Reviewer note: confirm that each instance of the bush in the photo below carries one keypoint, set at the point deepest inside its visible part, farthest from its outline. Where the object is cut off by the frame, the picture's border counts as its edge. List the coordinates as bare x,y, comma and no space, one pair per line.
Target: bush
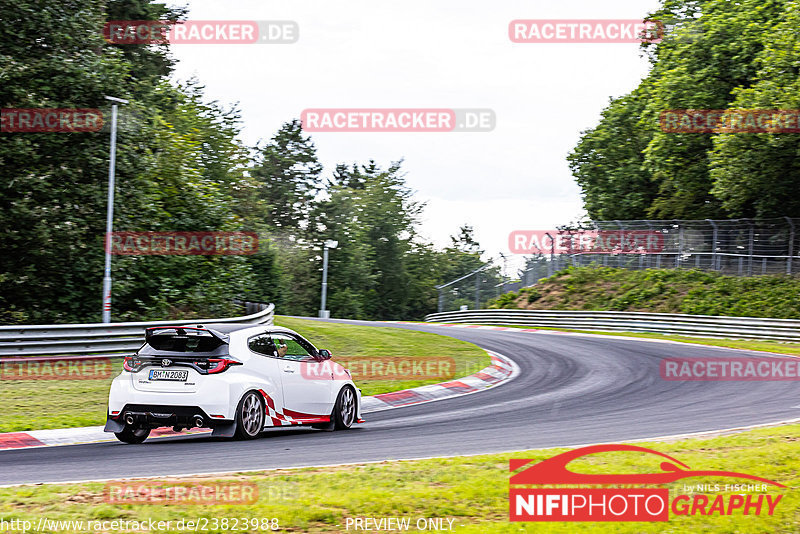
661,290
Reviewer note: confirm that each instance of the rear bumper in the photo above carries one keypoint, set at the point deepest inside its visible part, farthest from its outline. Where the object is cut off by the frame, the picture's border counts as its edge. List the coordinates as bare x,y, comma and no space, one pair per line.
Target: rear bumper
213,397
158,415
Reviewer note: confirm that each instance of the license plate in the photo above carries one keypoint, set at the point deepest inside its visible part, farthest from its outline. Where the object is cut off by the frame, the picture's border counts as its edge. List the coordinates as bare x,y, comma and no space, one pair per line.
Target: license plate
168,374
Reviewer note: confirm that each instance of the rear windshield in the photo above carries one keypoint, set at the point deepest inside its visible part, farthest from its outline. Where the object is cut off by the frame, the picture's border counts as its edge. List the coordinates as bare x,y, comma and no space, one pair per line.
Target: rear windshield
184,341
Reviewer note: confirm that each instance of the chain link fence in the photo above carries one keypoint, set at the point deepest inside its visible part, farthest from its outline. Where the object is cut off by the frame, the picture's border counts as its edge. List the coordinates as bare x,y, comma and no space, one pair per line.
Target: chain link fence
741,247
474,290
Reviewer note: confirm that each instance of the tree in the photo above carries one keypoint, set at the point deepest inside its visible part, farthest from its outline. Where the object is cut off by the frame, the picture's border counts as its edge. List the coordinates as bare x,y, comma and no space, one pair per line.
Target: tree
52,55
629,168
756,175
178,167
608,162
289,174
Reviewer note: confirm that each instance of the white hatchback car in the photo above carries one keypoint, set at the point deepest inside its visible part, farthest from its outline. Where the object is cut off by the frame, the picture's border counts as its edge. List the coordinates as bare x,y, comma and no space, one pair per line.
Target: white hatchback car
236,379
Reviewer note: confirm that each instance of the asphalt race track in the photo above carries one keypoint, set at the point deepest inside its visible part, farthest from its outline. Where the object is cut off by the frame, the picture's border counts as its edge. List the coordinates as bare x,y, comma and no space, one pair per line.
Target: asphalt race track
571,390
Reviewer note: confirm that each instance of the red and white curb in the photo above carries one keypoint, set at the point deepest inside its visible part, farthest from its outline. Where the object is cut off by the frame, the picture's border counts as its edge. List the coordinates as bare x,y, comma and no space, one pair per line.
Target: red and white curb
501,370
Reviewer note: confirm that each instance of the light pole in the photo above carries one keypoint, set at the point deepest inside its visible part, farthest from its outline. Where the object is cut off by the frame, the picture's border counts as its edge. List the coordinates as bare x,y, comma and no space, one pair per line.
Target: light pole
323,313
110,213
505,261
550,268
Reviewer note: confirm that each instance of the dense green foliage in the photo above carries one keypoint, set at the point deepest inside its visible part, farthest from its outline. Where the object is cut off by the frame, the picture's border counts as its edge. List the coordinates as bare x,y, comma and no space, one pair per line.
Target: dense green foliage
716,54
181,167
660,290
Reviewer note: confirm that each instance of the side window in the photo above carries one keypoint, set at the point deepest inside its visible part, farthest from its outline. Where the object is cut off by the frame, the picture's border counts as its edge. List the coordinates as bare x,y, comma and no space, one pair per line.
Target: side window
290,348
262,344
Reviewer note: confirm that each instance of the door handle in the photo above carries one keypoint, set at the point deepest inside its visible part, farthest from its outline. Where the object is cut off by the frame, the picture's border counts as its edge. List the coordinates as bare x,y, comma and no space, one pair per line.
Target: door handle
288,369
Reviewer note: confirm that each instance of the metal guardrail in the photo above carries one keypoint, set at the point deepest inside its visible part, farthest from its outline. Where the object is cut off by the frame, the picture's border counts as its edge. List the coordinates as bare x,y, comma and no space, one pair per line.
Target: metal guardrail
102,338
661,323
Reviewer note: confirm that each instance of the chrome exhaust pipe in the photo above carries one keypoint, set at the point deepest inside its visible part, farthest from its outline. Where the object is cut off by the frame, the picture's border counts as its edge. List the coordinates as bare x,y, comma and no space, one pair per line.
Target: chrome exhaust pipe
198,421
129,419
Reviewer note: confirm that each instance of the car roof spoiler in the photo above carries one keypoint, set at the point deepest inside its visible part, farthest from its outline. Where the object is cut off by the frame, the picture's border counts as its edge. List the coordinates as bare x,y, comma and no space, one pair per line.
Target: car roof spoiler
181,330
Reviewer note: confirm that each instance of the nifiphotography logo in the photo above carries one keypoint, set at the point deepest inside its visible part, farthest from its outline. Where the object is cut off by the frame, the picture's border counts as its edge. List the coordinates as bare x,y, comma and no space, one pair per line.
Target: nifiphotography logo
621,497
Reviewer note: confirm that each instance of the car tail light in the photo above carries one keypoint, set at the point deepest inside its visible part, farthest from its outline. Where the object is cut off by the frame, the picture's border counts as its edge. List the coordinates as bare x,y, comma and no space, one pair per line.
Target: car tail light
218,365
131,364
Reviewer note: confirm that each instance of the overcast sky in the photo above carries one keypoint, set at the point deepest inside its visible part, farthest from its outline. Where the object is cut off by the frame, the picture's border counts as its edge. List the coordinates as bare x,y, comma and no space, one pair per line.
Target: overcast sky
432,54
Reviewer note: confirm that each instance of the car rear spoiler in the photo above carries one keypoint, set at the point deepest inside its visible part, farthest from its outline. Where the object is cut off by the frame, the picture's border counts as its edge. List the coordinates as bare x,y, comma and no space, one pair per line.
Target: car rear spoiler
181,330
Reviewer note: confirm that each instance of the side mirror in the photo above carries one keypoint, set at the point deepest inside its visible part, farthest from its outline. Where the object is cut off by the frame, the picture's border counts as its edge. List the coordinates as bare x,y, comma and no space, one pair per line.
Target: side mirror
325,354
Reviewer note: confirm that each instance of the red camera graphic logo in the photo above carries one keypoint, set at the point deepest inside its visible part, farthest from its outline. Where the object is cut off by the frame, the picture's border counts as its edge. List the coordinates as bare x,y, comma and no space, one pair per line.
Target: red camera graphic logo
621,503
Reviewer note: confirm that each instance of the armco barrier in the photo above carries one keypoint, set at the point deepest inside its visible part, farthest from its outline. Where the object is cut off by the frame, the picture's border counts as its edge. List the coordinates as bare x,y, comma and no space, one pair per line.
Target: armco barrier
662,323
100,338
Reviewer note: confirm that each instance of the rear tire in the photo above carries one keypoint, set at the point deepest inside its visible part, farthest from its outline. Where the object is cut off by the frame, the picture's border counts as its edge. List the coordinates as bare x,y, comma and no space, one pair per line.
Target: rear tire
250,416
132,435
344,411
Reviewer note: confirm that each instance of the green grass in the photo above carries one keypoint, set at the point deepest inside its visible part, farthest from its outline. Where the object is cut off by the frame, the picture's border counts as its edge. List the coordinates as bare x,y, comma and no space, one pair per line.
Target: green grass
660,290
345,340
43,404
472,490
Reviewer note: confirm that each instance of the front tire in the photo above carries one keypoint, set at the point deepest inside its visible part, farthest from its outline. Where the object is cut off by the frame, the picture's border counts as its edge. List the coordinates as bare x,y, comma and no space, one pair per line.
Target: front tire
344,411
132,435
249,416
